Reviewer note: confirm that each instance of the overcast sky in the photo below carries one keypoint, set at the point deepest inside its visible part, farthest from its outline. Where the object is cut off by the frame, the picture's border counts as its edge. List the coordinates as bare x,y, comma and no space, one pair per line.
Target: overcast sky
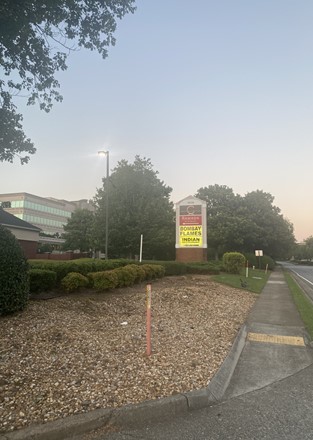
211,91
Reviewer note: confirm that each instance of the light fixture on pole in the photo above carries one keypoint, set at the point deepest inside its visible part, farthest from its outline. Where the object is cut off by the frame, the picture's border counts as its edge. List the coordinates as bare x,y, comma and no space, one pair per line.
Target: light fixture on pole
106,154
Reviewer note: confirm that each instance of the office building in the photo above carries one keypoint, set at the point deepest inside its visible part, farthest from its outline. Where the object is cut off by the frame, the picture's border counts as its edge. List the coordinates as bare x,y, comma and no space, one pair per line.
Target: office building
47,213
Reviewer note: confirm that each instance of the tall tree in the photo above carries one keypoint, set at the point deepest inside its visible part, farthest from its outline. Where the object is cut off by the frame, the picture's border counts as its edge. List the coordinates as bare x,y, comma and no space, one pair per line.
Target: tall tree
35,39
138,204
79,231
246,223
223,222
273,233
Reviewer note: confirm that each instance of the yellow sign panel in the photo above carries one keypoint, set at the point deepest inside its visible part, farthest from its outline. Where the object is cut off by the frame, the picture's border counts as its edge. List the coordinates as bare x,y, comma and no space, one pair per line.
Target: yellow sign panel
190,236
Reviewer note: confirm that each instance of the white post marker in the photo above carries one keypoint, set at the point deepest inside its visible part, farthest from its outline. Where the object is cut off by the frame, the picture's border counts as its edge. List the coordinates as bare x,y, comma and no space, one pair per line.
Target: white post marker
247,269
140,253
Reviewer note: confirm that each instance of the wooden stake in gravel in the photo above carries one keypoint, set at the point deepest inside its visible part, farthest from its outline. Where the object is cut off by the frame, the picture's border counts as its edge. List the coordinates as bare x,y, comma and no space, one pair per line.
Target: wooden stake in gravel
148,290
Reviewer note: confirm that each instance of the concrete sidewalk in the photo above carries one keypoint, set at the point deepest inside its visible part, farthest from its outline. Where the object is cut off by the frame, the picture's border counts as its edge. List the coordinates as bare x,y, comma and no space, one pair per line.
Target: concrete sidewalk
276,345
271,346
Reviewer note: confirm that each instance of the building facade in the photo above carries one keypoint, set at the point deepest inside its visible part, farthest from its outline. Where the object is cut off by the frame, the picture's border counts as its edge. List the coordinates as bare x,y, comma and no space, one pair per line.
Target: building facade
26,234
48,214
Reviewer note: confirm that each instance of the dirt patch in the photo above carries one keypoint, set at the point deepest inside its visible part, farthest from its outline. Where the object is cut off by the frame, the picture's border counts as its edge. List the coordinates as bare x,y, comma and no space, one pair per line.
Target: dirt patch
72,354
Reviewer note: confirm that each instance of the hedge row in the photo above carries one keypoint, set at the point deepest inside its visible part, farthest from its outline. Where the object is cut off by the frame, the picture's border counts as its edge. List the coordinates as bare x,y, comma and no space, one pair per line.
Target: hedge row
83,266
46,275
88,265
177,268
42,279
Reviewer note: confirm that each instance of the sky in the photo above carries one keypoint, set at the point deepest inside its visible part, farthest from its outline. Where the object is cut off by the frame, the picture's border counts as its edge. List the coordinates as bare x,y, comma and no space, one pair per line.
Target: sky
212,91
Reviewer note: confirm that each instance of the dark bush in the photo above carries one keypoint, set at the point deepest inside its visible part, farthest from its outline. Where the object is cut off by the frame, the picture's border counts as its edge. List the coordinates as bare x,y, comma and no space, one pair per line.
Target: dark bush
42,280
14,278
205,268
74,281
260,262
171,267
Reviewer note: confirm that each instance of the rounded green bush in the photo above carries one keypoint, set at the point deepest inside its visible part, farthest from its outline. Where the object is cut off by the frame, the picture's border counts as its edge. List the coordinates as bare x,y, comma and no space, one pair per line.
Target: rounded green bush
103,280
74,281
126,276
14,279
233,262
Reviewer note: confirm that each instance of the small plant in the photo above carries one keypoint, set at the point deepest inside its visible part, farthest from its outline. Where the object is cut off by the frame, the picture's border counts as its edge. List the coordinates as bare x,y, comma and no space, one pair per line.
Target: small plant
42,280
74,281
126,275
103,280
14,279
233,262
139,271
153,271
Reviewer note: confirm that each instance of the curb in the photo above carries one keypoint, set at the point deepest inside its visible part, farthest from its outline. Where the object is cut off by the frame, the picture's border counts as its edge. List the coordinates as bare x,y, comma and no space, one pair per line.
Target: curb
139,415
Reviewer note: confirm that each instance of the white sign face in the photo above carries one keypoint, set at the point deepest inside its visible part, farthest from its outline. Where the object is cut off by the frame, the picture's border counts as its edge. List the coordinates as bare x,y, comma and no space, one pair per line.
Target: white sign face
191,223
259,253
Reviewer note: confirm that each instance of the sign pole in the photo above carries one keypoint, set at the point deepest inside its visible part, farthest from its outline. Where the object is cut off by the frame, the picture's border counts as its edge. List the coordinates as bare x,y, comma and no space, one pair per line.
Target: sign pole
148,290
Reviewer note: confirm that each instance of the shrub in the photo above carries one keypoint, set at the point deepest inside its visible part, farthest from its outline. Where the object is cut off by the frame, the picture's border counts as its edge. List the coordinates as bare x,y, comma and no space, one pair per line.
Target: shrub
74,281
42,280
159,271
14,278
153,271
260,262
205,268
233,262
83,266
172,267
140,273
126,275
103,280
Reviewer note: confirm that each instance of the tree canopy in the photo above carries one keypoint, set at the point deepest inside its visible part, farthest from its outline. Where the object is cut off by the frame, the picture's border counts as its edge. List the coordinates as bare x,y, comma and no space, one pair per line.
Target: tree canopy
138,204
244,224
79,231
35,40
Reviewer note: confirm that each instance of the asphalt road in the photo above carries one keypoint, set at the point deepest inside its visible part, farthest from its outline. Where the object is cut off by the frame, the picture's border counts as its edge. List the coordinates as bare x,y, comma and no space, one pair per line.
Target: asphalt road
303,274
283,410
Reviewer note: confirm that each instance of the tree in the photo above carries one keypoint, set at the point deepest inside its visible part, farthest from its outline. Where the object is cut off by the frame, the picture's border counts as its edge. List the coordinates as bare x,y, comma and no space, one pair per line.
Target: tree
308,248
246,223
35,40
223,222
273,233
79,231
138,204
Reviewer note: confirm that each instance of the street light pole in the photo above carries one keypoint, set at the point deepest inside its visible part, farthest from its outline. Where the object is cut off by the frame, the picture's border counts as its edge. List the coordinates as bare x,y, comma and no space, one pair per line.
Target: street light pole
106,154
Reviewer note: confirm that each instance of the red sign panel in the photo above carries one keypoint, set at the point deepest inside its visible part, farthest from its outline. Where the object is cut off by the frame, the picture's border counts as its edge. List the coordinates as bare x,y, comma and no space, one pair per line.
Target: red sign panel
190,220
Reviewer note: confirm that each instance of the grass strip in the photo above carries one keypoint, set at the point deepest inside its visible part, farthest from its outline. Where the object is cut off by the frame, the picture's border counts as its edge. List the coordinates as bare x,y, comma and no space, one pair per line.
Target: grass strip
303,304
255,281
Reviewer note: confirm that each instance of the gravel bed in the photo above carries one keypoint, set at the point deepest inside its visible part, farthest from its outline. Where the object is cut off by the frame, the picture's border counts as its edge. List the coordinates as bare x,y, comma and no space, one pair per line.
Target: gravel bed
73,354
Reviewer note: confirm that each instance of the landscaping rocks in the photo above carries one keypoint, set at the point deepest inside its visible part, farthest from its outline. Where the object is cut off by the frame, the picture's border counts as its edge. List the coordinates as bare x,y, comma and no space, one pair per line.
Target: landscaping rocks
76,353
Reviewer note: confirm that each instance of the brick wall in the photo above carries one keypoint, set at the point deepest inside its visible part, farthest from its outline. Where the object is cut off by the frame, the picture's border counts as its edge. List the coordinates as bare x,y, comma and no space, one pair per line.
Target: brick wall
29,248
65,256
186,255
